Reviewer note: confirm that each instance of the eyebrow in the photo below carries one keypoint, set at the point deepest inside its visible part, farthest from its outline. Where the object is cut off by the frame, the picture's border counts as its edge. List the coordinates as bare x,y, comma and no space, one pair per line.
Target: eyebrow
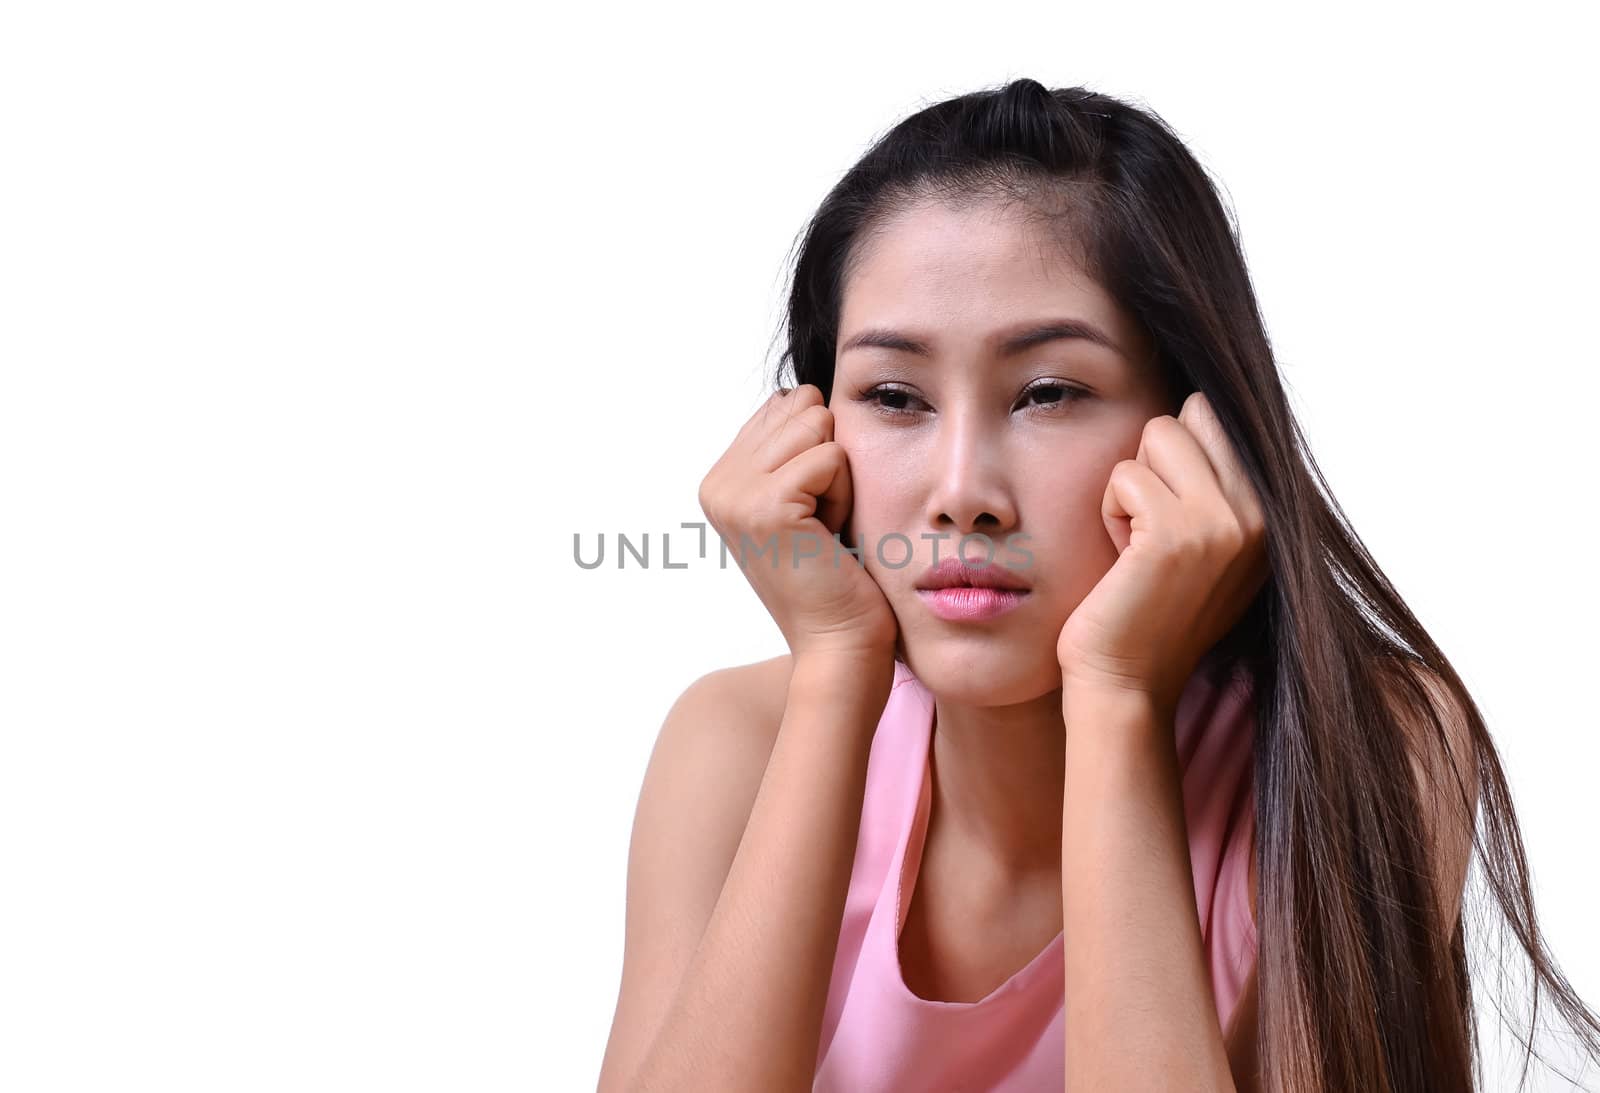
1019,341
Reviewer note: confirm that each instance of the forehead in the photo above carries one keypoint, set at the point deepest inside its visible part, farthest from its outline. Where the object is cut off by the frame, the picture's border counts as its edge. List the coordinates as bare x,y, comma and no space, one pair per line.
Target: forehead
959,272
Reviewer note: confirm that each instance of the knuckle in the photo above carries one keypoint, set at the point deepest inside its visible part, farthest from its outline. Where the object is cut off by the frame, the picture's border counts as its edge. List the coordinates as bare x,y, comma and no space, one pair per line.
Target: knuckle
1256,524
820,418
1180,547
707,498
1229,538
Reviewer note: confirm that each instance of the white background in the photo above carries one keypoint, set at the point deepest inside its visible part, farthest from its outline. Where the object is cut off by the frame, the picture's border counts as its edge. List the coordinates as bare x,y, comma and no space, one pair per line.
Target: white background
326,326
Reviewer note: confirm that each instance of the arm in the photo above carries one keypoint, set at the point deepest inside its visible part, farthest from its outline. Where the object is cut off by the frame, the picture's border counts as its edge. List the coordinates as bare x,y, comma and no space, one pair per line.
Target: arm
1139,1007
747,1013
698,789
1190,533
1129,842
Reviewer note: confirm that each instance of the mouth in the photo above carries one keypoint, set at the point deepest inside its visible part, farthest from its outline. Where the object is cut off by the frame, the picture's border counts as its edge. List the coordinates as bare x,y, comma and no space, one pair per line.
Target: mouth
967,603
955,573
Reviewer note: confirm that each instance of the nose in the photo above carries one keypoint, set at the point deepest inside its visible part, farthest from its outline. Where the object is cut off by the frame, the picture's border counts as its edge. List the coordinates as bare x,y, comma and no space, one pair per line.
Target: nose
971,492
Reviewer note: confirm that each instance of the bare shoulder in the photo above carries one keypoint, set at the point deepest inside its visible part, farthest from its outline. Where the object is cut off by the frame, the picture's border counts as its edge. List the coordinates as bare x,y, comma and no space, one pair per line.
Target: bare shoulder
706,768
718,736
699,788
756,692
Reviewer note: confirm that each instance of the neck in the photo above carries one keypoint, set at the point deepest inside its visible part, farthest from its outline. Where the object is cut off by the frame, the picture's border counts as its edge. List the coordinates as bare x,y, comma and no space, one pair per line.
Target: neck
998,779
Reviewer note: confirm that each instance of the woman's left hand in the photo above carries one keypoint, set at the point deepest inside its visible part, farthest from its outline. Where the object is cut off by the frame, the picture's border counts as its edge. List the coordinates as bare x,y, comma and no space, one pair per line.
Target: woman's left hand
1191,543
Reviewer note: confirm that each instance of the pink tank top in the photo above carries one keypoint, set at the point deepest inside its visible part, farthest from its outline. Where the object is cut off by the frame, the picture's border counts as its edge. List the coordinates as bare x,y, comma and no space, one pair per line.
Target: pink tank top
879,1036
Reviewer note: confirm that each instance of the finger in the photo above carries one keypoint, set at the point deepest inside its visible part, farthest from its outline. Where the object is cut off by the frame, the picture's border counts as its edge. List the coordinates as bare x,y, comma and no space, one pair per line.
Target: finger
798,398
835,501
1177,457
1135,496
786,401
806,429
1200,417
820,474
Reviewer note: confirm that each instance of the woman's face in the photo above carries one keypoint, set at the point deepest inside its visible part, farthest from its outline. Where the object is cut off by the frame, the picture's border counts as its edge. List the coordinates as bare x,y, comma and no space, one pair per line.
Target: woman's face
969,437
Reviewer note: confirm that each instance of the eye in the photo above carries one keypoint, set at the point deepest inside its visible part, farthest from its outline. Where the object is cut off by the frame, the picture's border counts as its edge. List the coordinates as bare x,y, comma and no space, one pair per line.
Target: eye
874,396
1066,394
1058,396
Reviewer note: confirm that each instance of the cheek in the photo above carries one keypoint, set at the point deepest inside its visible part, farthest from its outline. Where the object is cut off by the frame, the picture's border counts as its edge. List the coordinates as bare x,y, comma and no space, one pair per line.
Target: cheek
882,478
1071,548
880,515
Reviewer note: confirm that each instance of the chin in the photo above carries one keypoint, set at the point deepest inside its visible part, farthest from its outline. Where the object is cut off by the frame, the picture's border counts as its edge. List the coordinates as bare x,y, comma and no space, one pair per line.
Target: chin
981,669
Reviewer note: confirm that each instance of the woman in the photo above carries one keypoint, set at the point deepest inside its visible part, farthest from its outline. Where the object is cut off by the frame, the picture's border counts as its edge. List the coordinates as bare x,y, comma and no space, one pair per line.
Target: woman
958,836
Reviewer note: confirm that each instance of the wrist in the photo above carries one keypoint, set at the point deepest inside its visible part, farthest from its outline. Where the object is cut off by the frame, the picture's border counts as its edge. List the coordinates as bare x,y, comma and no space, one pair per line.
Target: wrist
864,672
1105,706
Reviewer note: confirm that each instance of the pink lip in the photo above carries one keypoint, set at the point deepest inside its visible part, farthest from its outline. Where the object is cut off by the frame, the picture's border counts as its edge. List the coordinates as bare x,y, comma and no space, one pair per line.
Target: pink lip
970,604
954,572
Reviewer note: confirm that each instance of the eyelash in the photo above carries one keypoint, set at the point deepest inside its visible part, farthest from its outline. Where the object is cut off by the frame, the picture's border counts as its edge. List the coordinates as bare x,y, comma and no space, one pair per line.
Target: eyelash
1069,395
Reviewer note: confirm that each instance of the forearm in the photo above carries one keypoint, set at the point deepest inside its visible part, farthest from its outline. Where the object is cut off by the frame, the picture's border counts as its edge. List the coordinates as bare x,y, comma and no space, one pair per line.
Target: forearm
748,1014
1139,1011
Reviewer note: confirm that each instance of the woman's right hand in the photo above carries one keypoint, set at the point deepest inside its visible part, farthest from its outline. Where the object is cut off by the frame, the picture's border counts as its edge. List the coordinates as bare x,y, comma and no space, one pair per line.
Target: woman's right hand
780,493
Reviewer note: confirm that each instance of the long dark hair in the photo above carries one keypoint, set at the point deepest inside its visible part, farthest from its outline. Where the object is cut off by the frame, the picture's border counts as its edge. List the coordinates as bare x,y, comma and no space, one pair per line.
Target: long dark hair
1363,983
